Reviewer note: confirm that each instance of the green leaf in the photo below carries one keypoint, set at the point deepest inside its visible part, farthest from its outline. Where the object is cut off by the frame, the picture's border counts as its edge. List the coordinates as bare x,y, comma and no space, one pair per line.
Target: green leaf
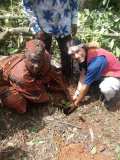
6,21
94,150
117,52
33,130
104,2
38,141
87,12
116,19
65,103
21,39
13,50
111,44
117,150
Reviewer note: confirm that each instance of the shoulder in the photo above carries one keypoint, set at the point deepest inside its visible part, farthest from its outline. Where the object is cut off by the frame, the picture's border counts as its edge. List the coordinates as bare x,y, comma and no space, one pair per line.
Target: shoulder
97,62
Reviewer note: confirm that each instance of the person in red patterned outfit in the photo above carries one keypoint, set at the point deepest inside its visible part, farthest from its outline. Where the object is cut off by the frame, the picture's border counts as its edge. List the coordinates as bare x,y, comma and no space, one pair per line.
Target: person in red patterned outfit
25,77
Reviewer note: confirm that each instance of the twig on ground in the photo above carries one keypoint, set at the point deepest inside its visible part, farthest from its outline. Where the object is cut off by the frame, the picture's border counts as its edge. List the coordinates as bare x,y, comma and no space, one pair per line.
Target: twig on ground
91,134
66,123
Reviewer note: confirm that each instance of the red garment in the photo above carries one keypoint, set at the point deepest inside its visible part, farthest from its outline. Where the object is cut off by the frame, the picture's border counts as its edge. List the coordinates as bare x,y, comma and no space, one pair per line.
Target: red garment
23,86
113,67
12,99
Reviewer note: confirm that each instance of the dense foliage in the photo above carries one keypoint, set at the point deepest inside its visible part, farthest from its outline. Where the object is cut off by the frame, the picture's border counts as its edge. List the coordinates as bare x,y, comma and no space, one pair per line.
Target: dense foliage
12,43
101,24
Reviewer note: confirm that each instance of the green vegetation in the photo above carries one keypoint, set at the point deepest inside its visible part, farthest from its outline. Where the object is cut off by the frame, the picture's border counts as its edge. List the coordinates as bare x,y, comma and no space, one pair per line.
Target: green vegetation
101,24
12,16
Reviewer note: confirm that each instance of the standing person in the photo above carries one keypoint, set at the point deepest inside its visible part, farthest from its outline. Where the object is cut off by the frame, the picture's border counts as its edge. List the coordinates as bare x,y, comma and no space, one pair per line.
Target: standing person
27,77
101,65
54,18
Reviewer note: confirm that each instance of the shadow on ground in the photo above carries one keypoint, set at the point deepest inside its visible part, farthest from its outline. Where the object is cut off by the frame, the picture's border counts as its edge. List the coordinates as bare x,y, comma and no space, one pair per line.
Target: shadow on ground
12,122
12,153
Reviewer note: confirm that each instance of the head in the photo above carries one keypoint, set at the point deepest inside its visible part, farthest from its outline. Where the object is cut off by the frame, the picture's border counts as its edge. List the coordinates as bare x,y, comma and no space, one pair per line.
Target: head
77,51
34,54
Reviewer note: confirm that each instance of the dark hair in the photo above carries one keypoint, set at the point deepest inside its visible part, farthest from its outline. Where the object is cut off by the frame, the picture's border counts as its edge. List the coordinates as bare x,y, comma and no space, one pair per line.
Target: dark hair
73,42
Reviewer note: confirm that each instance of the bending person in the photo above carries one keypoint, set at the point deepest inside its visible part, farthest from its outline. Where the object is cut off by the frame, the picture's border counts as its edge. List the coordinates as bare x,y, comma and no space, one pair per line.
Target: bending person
101,65
26,77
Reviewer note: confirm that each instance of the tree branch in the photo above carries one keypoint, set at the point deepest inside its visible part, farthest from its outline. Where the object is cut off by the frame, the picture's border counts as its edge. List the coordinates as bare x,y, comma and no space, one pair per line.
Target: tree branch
20,30
26,31
2,17
117,35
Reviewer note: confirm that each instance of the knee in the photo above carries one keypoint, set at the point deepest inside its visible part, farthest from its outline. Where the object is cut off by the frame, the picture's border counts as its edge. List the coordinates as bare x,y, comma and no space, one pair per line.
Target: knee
107,91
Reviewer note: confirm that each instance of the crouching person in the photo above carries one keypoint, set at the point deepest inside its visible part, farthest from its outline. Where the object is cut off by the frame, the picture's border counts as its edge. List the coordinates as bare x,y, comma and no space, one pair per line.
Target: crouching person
25,77
101,65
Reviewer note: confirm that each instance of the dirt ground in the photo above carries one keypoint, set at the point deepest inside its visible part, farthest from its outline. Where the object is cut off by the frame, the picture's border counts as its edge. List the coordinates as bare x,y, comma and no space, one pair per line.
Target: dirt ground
44,133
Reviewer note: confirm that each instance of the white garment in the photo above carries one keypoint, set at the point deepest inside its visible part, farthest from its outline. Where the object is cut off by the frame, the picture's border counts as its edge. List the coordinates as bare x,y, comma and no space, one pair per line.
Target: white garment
109,87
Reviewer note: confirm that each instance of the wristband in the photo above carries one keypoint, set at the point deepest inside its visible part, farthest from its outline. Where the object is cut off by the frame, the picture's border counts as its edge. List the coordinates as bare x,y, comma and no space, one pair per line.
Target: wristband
77,92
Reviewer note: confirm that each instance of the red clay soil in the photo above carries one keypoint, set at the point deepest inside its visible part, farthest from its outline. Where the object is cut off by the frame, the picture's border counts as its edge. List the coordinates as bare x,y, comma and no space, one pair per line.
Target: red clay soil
78,152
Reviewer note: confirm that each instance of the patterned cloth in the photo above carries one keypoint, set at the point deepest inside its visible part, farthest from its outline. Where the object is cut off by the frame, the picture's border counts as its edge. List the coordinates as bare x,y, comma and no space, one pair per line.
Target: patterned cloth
18,85
51,16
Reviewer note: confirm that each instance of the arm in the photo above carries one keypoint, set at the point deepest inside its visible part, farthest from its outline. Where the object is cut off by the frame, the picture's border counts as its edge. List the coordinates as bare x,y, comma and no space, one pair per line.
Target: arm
79,98
94,72
80,82
83,91
28,8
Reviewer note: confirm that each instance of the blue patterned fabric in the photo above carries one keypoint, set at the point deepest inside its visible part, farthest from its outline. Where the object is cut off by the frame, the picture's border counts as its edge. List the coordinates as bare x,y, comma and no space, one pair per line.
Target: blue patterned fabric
51,16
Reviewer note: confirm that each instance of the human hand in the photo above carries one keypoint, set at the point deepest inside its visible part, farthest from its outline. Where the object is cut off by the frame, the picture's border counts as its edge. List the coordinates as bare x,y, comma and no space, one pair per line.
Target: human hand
76,94
40,36
76,98
74,29
76,101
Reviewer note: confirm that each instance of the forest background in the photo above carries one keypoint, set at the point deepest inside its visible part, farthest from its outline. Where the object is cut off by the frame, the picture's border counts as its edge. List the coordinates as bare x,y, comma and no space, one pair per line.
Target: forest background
98,21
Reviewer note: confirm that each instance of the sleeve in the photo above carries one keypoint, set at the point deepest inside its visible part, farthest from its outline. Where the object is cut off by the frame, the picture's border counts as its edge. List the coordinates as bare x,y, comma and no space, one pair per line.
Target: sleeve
28,9
74,10
94,70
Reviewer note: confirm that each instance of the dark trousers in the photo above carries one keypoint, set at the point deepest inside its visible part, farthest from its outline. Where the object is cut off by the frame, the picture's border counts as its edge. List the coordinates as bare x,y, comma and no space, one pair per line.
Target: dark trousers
66,60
